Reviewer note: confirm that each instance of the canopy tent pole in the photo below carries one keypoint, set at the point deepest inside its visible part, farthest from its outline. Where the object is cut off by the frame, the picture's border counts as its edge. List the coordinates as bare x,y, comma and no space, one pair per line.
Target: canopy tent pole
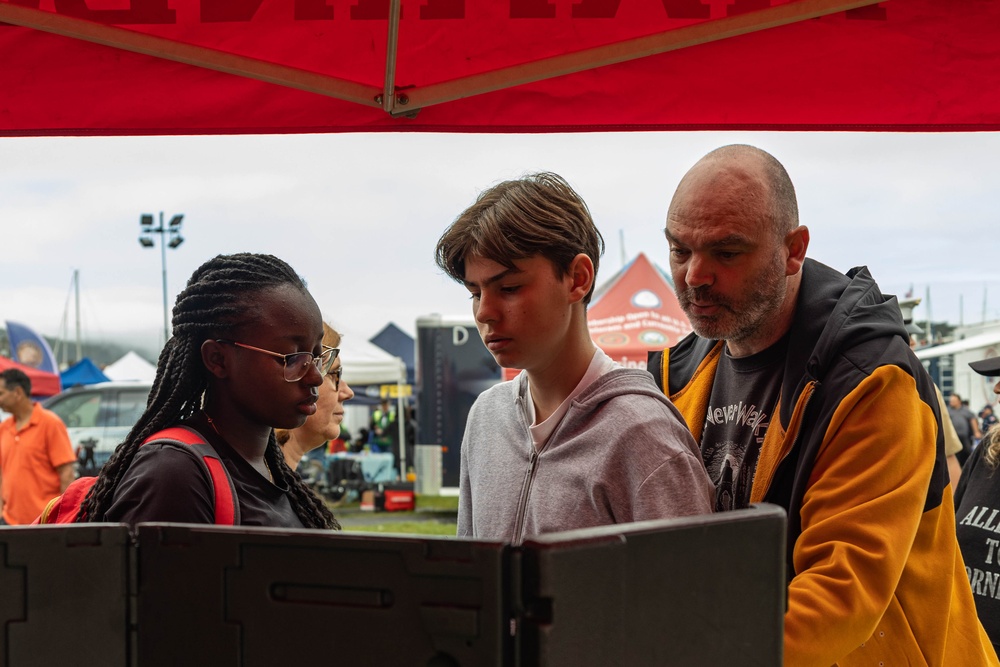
401,421
388,97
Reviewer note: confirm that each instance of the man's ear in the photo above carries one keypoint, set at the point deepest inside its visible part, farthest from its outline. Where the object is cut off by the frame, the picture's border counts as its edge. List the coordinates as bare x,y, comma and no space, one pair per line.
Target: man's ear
214,358
581,274
796,242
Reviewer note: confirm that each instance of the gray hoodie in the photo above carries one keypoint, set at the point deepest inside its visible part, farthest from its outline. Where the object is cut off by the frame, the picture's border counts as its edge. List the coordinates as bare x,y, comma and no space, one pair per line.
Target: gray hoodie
621,453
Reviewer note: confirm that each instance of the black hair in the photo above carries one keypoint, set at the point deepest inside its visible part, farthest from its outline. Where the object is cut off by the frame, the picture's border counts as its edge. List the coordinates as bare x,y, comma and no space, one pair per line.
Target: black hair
212,304
15,377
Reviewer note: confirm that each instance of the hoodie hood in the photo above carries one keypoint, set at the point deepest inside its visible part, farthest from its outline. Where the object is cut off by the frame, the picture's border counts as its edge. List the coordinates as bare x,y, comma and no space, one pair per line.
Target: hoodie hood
614,383
835,313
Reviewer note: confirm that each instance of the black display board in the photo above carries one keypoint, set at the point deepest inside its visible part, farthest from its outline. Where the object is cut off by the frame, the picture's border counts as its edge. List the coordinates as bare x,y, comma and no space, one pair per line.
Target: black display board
265,597
64,595
705,590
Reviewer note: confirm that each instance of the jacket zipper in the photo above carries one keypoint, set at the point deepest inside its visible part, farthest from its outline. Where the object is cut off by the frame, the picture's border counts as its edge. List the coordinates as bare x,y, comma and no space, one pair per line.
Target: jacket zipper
522,506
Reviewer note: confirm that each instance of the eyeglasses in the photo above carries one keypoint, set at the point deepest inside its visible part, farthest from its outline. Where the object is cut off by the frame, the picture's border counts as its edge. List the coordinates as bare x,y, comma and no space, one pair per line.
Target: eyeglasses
297,363
336,375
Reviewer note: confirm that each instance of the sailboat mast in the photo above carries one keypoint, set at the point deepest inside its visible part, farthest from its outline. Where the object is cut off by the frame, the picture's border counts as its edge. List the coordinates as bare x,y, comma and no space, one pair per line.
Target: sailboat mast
76,283
985,288
930,331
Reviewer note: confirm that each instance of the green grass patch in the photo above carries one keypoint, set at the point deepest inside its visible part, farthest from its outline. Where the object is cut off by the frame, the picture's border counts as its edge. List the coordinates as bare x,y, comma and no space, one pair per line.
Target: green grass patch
441,503
407,528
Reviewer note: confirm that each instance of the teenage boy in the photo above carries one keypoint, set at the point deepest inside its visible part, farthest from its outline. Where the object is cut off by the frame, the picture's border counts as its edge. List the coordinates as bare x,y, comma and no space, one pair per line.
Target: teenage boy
575,440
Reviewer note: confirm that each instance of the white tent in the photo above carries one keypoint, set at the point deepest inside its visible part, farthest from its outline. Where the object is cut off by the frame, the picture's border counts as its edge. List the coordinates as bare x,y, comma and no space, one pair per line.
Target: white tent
131,367
367,364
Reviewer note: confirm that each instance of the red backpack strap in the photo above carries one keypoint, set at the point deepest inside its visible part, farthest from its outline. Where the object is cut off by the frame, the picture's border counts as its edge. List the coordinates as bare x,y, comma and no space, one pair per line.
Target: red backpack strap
65,507
227,509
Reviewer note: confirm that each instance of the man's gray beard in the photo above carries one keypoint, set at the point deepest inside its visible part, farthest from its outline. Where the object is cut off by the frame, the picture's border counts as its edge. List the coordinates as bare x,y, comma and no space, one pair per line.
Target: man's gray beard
747,318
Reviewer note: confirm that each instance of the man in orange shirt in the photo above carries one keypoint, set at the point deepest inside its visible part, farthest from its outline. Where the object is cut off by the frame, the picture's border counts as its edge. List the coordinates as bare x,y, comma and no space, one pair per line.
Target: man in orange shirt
36,457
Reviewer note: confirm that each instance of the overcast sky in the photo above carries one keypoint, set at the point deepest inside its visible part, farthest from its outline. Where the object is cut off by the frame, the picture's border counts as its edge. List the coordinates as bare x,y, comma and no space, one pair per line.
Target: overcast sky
358,214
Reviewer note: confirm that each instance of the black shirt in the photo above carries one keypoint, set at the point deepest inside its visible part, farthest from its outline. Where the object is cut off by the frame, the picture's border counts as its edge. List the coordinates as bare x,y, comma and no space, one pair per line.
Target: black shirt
977,519
167,482
744,394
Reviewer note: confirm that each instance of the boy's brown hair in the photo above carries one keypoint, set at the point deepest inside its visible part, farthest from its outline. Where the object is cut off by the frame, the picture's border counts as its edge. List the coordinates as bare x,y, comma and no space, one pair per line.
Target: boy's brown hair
539,214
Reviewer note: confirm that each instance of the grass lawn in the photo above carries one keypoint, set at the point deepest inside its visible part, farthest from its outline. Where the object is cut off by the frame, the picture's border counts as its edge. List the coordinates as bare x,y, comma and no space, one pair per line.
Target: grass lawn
407,527
438,503
435,515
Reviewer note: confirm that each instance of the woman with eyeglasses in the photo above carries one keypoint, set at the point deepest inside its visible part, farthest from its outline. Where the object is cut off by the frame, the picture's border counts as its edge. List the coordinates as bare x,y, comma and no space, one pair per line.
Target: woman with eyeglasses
246,356
324,424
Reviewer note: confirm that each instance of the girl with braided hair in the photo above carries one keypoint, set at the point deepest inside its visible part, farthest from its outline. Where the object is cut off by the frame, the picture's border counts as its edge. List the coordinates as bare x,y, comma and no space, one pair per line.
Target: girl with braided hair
246,356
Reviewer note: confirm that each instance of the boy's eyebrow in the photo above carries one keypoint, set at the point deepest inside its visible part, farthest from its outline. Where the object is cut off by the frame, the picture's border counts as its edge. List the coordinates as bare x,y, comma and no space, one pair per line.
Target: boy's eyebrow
492,279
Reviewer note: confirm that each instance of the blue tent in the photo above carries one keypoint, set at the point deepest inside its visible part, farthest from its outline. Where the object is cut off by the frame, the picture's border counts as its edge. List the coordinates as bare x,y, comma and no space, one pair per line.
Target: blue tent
400,344
82,372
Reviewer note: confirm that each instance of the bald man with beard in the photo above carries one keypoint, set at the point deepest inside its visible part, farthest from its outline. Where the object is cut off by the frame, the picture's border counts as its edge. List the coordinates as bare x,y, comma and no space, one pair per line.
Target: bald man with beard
801,389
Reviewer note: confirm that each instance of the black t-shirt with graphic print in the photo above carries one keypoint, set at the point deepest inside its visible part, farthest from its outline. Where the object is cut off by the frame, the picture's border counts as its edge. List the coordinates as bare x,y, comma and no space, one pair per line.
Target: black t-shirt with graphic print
744,394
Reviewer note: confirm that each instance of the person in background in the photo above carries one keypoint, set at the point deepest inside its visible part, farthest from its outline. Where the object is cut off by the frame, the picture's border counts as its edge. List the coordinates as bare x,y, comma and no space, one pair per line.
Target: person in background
966,425
382,427
988,419
977,513
978,433
246,356
575,440
359,443
845,435
323,425
952,444
36,457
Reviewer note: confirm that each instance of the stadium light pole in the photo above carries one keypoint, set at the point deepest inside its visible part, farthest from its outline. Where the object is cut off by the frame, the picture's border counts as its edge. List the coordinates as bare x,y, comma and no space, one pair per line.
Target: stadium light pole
173,231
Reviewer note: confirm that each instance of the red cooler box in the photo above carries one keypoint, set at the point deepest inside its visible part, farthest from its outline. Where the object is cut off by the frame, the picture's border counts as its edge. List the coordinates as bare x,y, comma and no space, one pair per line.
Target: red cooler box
395,497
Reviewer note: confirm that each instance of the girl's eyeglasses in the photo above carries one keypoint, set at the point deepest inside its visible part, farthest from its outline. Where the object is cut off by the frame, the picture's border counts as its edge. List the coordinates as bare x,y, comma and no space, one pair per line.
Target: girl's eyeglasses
296,364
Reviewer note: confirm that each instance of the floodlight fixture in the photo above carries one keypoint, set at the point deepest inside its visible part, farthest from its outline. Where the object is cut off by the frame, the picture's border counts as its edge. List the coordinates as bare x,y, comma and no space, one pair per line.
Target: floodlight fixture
147,229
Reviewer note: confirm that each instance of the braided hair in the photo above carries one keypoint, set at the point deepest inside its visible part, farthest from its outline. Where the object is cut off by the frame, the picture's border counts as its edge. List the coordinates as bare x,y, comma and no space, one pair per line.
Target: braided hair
214,301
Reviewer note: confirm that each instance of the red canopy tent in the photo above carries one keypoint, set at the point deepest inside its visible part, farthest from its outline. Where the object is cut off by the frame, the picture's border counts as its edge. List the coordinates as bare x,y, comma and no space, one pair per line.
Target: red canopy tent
100,67
42,384
636,312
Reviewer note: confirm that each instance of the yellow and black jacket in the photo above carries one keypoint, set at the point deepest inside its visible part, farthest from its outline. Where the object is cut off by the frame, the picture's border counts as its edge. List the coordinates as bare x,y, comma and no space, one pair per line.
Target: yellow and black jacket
856,458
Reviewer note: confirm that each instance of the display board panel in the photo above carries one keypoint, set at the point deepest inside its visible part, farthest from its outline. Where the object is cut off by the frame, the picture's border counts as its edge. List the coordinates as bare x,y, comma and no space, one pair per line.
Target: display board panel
64,595
704,590
257,596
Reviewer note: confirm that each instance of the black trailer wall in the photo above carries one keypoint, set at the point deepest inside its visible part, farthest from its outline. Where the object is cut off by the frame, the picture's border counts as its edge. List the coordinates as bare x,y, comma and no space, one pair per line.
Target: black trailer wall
453,368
